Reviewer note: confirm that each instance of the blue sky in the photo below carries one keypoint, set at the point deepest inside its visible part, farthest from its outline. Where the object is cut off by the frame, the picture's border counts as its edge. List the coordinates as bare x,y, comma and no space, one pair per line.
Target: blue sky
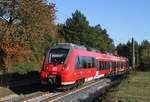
123,19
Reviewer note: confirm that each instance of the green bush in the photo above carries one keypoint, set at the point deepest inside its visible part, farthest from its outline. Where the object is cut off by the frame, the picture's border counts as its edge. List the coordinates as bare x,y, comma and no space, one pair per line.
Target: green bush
145,63
28,65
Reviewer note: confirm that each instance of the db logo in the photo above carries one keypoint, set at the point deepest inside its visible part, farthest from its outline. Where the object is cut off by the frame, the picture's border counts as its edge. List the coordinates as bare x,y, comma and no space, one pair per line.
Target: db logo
54,68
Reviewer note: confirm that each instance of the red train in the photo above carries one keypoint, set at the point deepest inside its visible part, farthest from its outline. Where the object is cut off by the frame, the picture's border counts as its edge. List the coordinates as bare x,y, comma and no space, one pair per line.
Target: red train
67,63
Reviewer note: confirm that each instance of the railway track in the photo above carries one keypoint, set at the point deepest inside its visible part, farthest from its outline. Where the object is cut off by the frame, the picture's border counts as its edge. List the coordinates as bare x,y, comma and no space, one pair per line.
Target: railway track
54,96
82,92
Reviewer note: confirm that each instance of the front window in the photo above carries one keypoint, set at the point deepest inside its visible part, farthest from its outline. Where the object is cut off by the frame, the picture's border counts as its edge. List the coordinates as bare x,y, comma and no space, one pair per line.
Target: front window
57,56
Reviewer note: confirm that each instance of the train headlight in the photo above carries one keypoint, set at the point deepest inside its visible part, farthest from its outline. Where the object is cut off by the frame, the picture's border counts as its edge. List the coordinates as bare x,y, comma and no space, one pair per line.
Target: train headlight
46,66
64,66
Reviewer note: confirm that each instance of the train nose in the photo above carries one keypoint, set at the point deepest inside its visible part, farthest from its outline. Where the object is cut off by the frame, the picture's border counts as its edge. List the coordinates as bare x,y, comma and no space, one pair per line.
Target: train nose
52,68
54,79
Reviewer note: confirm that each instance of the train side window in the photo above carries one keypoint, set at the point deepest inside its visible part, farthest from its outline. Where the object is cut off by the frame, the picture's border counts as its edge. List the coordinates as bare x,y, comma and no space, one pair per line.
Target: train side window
77,63
113,65
104,64
126,64
97,64
88,61
109,65
83,62
93,62
121,64
117,64
100,65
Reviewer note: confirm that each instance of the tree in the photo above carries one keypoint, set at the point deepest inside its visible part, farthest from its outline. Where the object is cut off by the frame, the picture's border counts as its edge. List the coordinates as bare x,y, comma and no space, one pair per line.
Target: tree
125,50
145,55
27,27
77,30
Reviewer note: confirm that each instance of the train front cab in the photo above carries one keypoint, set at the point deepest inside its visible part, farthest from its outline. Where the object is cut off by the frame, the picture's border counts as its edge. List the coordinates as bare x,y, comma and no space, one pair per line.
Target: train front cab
55,66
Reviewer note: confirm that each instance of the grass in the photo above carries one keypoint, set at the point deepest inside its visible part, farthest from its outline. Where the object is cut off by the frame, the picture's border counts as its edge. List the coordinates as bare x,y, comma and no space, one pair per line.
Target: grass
136,88
5,92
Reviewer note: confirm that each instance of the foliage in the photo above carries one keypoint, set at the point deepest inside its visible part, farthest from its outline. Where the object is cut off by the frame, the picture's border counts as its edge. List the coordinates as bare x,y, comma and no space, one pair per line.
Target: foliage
27,27
77,30
25,67
128,89
142,53
145,55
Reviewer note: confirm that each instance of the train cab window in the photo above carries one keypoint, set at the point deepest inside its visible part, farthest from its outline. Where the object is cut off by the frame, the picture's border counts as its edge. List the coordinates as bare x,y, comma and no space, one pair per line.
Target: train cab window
57,56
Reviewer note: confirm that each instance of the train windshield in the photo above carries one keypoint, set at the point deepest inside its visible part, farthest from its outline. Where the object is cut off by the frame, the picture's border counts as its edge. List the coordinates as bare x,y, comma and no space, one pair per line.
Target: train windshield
57,56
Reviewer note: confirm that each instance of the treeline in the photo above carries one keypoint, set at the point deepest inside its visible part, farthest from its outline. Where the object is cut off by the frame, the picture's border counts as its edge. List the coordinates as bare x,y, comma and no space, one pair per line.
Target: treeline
77,30
142,53
28,29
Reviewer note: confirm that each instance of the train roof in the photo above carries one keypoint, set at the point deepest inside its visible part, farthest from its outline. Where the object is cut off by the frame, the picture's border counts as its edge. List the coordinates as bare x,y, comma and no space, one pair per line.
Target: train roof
74,46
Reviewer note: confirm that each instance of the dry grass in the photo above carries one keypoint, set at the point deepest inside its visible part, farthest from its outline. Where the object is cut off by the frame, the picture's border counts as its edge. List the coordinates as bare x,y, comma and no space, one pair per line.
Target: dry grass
5,92
136,88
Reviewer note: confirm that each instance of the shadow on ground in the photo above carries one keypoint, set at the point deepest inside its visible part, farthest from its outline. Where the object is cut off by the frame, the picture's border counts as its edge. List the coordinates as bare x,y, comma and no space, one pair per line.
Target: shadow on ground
29,83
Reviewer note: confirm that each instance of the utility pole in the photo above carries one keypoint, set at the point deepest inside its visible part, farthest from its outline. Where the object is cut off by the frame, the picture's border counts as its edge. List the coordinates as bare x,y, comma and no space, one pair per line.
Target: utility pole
133,54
